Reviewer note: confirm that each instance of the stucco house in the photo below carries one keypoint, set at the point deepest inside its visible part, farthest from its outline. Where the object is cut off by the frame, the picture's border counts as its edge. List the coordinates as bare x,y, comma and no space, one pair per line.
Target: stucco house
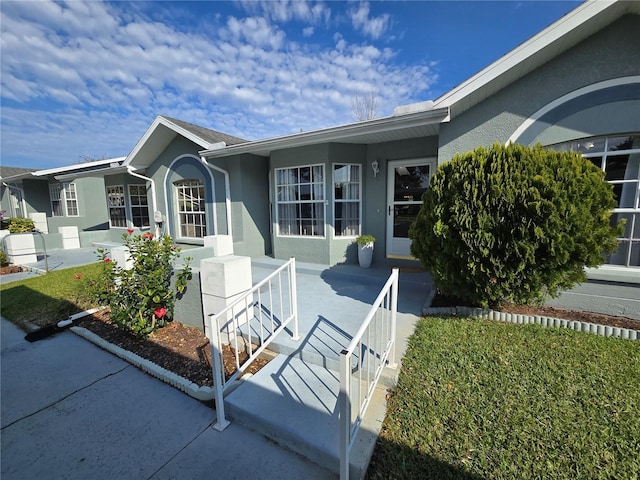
575,85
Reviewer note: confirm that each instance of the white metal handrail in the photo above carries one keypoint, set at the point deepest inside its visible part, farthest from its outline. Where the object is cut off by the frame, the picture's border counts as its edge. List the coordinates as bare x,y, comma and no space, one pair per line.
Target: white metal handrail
373,349
260,319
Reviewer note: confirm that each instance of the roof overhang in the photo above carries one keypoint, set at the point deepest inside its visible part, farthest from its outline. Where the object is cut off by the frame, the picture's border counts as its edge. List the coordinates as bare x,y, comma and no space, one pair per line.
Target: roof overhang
100,172
156,139
397,127
577,25
86,169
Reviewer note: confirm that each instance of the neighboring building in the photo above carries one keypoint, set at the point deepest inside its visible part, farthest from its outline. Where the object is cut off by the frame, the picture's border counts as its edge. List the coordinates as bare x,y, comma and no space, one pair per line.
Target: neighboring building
574,85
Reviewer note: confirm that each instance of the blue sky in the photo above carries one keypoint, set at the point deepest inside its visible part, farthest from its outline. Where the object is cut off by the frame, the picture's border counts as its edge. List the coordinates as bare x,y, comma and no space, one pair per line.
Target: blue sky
85,79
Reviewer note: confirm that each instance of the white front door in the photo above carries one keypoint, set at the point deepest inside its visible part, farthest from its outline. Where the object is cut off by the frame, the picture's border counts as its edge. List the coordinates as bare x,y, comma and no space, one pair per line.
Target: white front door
407,180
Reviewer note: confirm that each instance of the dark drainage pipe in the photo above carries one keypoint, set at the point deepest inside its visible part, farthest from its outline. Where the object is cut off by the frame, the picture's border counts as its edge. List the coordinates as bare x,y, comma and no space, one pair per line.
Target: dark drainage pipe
54,328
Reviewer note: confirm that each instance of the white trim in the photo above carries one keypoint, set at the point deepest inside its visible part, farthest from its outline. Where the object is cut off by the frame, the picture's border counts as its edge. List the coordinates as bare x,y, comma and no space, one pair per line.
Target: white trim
585,14
391,165
79,166
109,207
333,199
131,205
324,201
567,97
333,134
167,194
160,120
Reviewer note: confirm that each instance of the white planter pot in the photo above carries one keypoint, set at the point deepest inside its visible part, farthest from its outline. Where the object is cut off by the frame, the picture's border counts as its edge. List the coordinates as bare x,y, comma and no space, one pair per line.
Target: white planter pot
365,255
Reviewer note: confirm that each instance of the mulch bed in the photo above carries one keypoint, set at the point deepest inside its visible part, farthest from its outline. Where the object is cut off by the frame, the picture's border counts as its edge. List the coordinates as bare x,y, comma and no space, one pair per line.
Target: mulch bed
622,322
7,269
178,348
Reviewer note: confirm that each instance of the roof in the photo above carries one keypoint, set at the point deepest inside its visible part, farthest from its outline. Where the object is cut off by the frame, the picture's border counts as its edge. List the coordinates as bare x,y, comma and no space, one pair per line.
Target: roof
210,136
576,26
164,130
7,172
69,171
415,124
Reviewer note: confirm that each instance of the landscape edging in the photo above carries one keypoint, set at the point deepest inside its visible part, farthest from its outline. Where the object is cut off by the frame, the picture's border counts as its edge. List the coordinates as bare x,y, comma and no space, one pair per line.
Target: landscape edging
597,329
181,383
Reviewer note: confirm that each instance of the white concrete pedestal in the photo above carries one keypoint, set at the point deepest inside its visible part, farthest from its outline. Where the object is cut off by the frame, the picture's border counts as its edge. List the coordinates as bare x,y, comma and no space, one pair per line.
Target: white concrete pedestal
70,237
222,281
21,249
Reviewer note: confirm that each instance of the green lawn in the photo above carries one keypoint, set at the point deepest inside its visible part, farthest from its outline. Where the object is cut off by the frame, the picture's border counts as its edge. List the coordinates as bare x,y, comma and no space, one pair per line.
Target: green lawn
479,399
48,298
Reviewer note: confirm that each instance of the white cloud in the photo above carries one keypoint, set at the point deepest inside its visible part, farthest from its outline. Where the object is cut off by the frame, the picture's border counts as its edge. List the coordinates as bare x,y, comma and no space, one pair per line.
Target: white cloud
307,32
374,27
105,77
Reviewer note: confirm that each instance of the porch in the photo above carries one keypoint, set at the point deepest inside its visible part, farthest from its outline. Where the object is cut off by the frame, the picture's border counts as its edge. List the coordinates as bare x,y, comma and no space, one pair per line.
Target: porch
294,399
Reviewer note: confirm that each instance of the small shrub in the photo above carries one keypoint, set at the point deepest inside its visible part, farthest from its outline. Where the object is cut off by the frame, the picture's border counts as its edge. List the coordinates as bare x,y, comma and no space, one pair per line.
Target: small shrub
365,239
513,223
18,225
3,258
141,299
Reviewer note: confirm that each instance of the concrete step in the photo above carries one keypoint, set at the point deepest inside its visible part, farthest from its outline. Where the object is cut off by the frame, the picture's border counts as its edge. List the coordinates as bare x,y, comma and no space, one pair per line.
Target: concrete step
295,404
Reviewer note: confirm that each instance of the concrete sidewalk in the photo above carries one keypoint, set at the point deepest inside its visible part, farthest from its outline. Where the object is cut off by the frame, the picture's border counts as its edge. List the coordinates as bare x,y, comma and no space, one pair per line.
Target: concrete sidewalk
71,410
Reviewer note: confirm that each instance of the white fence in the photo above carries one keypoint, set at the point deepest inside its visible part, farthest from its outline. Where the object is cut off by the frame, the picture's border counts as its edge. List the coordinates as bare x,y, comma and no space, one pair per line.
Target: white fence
361,364
250,324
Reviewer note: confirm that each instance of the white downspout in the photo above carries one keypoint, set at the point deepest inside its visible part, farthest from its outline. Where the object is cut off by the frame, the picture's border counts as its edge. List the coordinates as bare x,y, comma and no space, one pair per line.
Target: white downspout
154,206
227,188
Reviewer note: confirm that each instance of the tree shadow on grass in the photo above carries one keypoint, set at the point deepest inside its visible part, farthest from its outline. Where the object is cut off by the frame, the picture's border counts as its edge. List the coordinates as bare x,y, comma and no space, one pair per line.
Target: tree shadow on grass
26,307
393,460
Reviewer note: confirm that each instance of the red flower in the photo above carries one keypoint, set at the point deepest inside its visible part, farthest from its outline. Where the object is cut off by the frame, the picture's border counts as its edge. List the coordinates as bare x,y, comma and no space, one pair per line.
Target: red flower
107,260
160,312
148,235
129,231
78,276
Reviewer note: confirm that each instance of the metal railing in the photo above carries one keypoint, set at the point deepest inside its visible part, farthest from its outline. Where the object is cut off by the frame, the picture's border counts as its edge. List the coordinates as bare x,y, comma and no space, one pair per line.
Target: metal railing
250,324
361,364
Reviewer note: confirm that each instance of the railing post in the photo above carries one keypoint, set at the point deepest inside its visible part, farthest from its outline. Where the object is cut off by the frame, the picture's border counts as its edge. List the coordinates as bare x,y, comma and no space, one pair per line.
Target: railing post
344,407
294,298
218,373
394,311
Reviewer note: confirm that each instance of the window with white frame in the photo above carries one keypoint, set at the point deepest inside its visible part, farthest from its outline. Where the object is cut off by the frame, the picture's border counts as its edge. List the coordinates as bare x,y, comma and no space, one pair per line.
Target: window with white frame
346,200
619,157
192,217
300,200
139,205
64,200
116,205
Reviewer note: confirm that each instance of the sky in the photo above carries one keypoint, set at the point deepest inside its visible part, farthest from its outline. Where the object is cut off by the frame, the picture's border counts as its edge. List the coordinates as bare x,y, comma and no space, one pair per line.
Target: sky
84,80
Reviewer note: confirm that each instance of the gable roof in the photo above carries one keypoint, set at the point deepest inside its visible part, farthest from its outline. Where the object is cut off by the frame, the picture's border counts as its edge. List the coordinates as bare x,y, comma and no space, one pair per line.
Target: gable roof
576,26
7,172
164,130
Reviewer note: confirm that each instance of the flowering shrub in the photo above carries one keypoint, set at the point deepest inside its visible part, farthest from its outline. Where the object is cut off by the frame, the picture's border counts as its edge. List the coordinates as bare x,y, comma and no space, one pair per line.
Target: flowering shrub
141,298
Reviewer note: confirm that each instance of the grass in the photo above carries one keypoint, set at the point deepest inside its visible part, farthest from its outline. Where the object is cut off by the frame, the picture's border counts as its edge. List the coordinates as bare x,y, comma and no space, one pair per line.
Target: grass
478,399
48,298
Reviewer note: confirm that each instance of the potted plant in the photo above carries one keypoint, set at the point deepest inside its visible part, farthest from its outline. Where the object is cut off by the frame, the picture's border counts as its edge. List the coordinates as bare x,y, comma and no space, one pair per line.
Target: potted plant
365,250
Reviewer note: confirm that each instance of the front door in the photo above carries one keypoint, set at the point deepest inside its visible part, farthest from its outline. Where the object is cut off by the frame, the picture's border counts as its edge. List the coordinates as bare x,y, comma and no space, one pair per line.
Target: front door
407,181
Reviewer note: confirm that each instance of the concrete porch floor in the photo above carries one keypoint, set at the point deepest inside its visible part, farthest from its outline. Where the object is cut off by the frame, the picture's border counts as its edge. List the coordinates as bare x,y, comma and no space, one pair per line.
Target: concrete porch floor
293,400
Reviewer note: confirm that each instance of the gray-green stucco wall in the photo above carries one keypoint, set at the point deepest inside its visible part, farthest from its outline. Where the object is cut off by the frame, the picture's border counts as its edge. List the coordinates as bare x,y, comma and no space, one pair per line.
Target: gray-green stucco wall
331,250
92,207
375,211
249,193
613,52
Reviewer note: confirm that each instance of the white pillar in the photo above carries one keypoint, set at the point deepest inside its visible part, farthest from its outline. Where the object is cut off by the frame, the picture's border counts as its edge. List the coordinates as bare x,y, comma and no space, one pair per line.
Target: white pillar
223,280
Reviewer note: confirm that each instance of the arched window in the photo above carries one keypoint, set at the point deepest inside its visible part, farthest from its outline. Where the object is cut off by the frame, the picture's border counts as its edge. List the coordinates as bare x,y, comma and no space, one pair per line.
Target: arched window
191,208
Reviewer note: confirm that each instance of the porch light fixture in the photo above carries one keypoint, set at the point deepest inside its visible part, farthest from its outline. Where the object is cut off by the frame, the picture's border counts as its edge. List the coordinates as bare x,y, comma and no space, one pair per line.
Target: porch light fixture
375,166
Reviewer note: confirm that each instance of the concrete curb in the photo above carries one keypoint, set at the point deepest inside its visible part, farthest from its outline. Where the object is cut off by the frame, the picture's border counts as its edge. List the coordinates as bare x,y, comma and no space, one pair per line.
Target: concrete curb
597,329
182,384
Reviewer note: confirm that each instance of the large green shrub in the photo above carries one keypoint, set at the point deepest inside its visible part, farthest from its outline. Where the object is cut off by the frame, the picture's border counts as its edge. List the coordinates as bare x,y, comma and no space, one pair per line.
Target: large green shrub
141,298
513,223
